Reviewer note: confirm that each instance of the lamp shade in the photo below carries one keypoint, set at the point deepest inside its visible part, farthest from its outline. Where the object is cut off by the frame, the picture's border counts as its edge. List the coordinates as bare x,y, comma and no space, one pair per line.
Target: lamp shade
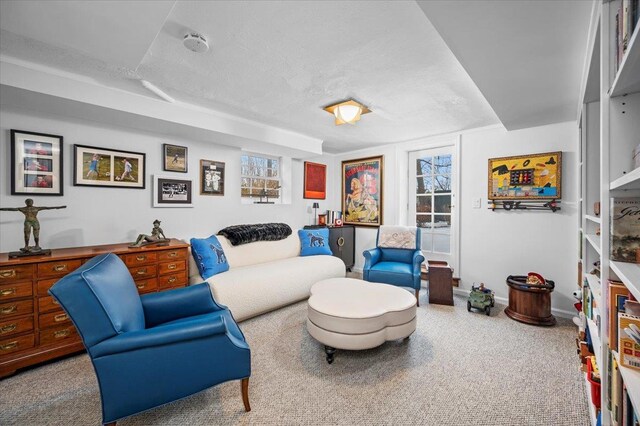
348,113
316,206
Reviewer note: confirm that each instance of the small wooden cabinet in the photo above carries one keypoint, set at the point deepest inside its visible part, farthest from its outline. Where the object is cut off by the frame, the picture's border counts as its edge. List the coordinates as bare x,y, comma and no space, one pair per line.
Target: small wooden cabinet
34,328
342,241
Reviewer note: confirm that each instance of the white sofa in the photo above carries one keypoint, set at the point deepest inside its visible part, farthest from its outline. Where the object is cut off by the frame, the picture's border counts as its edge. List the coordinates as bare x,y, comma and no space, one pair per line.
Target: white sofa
266,275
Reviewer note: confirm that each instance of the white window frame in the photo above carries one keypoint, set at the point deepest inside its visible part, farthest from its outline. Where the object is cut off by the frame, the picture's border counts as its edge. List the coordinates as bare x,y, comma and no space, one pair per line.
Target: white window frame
256,197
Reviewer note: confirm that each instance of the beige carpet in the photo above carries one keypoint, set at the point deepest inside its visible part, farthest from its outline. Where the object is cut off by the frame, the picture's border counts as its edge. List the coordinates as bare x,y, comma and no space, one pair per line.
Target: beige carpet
459,368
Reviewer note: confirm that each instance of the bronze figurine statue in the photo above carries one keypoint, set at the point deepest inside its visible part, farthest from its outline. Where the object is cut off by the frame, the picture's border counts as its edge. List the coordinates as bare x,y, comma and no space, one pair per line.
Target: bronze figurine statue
157,236
31,224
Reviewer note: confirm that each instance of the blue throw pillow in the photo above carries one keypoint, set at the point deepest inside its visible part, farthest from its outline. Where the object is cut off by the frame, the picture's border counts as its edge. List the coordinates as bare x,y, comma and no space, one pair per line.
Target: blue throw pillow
314,241
209,256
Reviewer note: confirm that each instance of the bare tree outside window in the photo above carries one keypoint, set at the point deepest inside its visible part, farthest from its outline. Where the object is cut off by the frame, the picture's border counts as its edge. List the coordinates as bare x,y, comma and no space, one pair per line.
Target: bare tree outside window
259,176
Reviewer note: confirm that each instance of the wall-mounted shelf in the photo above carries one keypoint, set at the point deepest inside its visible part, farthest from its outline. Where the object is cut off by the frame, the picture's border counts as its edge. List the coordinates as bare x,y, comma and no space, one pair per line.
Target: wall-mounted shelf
594,240
629,274
594,285
627,79
630,180
595,341
594,219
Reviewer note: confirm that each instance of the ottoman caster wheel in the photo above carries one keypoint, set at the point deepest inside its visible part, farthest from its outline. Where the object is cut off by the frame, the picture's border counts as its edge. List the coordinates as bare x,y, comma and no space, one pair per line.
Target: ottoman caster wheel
330,352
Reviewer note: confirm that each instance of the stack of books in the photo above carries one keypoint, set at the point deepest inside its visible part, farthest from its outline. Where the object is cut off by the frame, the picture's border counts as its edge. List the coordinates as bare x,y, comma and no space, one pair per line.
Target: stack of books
626,21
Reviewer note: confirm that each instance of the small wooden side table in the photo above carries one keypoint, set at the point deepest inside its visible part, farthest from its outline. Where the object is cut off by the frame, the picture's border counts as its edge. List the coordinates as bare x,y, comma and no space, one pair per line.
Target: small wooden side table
440,288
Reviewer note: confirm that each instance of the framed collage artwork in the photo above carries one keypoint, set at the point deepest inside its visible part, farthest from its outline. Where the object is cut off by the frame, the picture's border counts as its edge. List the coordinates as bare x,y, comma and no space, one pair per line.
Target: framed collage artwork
36,163
526,177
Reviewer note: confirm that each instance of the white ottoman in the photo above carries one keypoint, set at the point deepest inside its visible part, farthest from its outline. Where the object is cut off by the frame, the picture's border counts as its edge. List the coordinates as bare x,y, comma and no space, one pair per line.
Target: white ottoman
346,313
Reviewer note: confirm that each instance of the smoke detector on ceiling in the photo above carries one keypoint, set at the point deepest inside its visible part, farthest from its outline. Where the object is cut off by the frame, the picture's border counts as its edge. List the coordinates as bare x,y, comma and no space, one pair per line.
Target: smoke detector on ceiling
195,42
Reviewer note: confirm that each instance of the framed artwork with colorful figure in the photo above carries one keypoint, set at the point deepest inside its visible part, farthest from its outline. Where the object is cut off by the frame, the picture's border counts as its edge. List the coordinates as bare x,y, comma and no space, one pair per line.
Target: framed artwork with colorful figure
362,191
36,163
526,177
315,181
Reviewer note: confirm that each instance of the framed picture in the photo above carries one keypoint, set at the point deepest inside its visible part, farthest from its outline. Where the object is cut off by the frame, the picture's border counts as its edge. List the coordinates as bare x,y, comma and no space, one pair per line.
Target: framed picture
211,177
526,177
175,158
94,166
362,200
36,163
170,192
315,181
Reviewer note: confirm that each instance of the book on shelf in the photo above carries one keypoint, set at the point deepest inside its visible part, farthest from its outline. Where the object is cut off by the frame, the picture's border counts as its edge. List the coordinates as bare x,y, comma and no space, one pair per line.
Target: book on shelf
332,216
626,22
625,229
618,294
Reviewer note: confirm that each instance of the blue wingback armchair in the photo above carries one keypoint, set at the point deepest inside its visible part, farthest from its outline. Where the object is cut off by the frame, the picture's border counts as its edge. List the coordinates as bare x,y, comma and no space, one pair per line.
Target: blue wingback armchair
150,350
397,266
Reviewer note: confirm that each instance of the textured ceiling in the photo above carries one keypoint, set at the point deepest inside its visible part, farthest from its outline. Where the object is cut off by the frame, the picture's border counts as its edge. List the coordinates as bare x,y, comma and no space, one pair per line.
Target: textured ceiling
279,63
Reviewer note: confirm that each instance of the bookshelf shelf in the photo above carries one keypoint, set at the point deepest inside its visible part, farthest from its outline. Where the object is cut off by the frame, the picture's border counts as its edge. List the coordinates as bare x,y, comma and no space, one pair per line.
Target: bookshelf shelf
631,380
594,241
627,79
629,181
629,274
594,285
595,340
594,219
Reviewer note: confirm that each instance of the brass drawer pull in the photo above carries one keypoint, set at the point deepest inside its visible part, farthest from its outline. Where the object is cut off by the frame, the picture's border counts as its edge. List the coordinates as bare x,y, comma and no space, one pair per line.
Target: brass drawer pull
8,291
55,302
8,328
172,266
9,309
142,271
173,254
61,333
171,280
10,345
141,286
61,317
8,273
141,258
340,241
60,268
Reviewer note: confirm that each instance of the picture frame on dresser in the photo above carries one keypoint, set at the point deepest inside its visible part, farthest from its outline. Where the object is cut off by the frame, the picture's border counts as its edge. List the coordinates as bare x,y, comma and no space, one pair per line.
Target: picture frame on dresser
105,167
36,163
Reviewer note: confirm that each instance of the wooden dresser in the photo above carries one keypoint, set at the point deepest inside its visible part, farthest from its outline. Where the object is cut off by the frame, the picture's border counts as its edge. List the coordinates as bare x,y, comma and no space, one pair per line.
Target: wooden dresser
34,328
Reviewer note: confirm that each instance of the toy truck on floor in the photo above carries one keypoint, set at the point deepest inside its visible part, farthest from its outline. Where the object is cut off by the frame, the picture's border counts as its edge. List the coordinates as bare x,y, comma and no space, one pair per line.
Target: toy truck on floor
481,298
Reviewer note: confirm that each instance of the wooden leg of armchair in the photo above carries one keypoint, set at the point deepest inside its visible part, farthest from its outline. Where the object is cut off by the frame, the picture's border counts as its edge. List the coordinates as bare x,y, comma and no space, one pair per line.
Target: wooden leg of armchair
110,424
244,384
418,297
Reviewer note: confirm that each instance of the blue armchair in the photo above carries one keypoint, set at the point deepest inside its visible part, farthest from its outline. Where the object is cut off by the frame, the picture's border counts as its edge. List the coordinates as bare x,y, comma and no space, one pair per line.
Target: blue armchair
396,266
151,350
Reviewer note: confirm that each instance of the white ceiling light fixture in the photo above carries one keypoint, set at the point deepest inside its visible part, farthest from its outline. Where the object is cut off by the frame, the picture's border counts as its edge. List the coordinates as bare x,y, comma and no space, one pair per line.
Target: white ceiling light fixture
347,112
195,42
155,89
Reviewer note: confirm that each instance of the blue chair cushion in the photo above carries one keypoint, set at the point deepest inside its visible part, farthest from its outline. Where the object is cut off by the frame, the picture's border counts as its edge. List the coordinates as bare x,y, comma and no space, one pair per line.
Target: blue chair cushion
209,256
400,274
314,241
393,267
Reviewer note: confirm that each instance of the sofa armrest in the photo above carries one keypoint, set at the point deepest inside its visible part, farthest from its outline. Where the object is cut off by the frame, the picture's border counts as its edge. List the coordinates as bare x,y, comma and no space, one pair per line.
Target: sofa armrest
171,305
162,335
418,258
371,257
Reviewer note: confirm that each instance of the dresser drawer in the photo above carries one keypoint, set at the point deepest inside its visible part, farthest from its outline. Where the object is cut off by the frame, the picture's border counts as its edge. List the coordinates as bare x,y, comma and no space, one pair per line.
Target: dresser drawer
16,344
170,267
15,326
172,280
10,274
139,259
15,291
44,286
47,304
53,318
18,307
57,269
146,286
172,254
148,271
58,334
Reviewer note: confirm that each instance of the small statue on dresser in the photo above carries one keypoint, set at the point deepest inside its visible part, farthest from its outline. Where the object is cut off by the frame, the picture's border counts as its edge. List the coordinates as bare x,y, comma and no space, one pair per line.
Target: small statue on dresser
31,224
157,237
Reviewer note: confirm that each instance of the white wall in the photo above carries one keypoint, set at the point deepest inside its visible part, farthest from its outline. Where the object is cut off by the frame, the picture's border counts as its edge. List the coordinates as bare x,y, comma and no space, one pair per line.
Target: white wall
496,244
109,215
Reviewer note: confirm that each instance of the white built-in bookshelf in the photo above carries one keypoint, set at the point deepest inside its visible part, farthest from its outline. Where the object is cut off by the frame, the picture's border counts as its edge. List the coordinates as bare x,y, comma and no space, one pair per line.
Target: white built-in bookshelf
609,130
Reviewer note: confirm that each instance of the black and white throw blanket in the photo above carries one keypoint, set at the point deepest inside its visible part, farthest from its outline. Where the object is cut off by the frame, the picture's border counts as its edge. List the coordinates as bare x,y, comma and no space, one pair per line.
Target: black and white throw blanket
243,234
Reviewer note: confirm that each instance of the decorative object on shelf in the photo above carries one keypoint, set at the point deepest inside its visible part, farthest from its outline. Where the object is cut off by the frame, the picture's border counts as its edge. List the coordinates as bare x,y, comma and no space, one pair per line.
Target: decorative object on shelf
338,223
211,177
347,112
625,229
171,192
93,166
174,158
36,163
315,181
596,208
157,237
526,177
530,299
31,224
332,216
315,208
362,183
524,205
322,219
629,340
481,298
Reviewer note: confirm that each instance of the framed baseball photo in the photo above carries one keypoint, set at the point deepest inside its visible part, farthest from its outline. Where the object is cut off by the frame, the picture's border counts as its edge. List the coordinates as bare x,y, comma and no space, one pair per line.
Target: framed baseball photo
36,163
211,177
175,158
170,192
94,166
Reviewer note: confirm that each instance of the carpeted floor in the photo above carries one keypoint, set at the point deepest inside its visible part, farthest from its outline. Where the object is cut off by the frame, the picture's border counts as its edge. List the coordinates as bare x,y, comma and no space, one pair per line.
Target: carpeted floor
459,368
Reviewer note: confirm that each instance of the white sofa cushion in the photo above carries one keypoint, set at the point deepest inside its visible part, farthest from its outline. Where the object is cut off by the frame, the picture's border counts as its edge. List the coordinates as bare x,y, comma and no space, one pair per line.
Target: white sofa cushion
255,289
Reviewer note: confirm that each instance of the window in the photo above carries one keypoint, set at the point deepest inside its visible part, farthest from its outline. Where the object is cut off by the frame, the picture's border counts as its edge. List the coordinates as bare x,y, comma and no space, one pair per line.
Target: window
260,176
